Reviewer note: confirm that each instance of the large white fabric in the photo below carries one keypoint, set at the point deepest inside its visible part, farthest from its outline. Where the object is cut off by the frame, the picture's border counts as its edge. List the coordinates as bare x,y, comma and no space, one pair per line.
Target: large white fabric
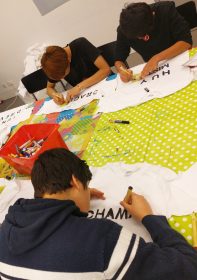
170,77
94,92
12,117
115,95
16,115
168,193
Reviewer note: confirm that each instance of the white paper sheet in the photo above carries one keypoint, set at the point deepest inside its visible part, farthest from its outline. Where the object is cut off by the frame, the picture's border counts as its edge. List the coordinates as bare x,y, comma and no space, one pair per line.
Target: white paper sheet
16,115
13,117
115,95
167,192
94,92
170,77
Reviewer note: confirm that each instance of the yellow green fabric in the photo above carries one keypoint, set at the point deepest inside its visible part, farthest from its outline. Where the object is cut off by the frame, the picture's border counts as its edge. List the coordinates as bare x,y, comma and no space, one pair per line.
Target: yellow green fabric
161,131
5,170
182,224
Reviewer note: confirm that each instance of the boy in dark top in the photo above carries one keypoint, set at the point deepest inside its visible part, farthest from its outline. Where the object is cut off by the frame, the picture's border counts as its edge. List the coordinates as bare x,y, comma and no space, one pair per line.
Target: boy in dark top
79,63
157,32
50,237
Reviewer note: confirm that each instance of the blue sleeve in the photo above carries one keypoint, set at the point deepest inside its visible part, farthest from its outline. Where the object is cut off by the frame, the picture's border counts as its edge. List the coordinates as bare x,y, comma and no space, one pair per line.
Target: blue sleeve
168,257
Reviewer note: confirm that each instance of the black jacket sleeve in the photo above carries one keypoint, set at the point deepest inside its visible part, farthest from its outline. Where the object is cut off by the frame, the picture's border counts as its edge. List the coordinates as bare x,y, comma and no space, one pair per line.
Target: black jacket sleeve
168,257
122,46
179,26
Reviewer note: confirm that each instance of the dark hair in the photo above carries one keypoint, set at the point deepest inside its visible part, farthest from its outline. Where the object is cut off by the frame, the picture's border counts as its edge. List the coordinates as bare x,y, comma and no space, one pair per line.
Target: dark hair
54,62
136,20
52,171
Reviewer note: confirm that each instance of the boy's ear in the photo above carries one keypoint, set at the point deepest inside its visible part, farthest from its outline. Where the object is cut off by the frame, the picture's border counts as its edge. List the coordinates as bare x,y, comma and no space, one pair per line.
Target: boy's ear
74,182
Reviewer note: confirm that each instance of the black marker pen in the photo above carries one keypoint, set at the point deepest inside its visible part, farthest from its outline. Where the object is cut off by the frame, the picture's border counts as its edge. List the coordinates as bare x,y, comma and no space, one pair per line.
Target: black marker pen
146,89
120,121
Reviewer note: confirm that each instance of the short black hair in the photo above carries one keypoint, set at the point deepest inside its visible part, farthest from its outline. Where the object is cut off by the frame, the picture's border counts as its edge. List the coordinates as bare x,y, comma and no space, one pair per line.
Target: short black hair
136,20
52,171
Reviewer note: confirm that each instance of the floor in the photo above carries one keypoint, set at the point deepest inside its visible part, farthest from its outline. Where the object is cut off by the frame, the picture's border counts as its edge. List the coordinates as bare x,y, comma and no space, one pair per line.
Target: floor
11,103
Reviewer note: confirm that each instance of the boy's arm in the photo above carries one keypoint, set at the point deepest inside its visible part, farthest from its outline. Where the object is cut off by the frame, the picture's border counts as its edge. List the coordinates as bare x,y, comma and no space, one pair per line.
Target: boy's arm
122,49
121,53
169,256
180,32
174,50
56,96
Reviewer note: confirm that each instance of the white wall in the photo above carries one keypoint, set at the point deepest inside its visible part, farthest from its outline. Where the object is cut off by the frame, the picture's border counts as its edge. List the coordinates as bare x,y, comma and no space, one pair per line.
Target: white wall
21,25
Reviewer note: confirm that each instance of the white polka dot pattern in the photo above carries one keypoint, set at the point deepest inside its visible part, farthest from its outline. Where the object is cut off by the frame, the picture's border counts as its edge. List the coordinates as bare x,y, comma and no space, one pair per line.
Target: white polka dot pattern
161,131
183,225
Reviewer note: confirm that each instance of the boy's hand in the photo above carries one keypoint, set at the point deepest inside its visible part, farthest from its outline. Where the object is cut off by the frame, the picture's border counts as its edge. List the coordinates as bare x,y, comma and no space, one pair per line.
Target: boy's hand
137,206
94,193
72,93
126,75
58,98
150,66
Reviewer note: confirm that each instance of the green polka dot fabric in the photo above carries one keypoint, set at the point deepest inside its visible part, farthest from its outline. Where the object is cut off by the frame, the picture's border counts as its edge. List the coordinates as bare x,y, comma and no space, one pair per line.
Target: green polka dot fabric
161,131
182,224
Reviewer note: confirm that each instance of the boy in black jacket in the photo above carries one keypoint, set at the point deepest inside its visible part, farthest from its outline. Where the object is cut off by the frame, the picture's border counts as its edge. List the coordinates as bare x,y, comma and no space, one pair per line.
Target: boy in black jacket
156,31
50,237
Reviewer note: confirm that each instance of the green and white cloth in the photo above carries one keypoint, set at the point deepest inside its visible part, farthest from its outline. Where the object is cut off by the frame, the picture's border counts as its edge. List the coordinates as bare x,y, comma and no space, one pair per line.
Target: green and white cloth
161,132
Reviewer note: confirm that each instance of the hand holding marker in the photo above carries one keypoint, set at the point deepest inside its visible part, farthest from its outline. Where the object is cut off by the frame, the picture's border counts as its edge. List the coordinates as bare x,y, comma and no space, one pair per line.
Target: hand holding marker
128,197
135,77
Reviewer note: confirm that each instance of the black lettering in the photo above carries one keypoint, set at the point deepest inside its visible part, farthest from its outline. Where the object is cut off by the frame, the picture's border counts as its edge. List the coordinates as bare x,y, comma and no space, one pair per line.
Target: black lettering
153,77
162,66
165,65
167,72
75,98
83,95
122,213
95,92
110,214
90,214
154,71
144,81
102,213
89,94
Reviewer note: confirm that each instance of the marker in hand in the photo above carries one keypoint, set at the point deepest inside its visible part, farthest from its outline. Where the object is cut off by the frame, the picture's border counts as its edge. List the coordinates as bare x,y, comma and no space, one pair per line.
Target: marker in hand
135,77
128,196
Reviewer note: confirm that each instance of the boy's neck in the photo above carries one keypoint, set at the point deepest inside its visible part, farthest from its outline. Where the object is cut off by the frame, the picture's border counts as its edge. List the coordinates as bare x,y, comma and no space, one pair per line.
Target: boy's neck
59,196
